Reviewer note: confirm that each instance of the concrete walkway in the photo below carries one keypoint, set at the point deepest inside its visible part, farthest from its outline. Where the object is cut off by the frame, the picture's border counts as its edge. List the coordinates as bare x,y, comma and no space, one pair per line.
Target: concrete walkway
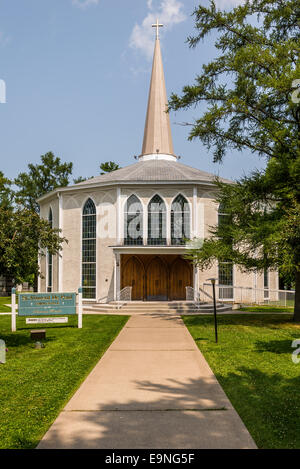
151,389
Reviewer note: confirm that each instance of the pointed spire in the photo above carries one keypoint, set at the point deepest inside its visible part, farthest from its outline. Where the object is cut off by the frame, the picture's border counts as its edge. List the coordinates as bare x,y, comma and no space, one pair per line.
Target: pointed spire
157,142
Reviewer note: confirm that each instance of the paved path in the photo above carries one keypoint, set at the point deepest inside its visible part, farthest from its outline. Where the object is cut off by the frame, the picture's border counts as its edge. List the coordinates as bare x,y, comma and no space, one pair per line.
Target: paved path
151,389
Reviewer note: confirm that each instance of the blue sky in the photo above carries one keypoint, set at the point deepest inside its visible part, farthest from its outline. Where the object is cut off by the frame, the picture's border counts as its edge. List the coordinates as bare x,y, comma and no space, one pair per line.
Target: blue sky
77,77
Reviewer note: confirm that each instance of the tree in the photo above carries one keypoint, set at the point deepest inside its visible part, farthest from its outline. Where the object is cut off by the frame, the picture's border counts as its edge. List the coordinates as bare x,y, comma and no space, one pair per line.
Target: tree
248,87
6,193
108,167
40,179
256,232
22,233
250,97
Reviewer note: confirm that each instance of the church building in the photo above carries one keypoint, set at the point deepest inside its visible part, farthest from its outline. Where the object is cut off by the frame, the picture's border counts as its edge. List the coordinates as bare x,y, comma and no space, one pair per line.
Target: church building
127,230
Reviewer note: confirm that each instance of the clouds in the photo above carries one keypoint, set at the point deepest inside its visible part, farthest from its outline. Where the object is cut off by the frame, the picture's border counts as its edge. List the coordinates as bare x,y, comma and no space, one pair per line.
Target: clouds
84,3
225,4
169,12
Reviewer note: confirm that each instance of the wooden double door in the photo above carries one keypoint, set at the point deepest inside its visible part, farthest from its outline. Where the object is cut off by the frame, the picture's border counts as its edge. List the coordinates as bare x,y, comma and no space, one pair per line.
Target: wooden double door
156,277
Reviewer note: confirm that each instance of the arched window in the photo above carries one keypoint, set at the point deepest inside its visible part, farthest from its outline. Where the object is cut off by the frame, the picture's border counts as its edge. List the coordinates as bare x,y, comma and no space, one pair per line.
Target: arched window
157,232
180,220
133,221
222,215
50,259
89,249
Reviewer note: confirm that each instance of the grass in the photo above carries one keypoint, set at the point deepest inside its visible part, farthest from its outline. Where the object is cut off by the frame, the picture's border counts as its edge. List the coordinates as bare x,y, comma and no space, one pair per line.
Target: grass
254,366
267,309
36,384
3,301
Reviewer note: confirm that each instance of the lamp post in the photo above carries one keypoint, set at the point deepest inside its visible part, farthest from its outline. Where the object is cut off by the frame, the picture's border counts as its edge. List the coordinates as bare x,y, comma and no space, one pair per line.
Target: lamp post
213,282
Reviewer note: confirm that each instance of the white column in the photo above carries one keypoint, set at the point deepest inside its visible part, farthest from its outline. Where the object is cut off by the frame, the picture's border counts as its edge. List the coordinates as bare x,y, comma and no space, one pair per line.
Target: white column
60,255
145,224
39,277
80,308
195,213
119,215
13,310
168,225
116,275
196,286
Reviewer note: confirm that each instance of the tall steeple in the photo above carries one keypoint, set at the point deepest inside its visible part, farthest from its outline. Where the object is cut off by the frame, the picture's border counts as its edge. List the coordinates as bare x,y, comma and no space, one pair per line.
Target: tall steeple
157,142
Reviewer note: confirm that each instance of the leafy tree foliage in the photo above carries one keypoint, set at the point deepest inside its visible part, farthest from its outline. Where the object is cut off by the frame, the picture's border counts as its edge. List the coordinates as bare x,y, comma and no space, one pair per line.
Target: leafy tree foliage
247,88
108,167
22,233
251,103
40,179
6,193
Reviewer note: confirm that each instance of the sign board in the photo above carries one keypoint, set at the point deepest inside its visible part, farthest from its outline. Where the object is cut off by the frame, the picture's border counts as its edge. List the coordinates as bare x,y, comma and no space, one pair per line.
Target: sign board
46,320
42,304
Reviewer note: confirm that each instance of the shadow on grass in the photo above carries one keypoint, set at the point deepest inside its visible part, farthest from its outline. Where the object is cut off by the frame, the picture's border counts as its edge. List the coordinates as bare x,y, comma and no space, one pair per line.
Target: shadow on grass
243,319
268,404
12,340
282,346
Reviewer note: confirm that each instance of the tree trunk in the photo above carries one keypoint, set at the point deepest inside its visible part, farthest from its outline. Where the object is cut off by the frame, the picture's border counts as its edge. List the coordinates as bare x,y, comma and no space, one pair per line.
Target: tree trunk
296,317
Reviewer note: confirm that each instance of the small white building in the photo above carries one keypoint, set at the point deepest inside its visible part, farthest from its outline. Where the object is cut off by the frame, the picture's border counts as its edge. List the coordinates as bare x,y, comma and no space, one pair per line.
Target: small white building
129,227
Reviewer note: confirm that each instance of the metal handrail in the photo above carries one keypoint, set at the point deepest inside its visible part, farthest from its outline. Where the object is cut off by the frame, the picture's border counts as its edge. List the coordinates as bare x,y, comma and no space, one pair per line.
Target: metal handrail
257,294
123,296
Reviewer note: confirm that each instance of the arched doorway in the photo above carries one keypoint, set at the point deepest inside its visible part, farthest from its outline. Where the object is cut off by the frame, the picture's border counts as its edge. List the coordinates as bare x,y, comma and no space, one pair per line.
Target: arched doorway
133,276
180,278
157,280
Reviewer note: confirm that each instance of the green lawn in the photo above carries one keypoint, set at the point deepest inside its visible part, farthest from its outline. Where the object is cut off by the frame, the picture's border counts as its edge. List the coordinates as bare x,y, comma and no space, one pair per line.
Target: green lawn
36,384
253,364
3,301
267,309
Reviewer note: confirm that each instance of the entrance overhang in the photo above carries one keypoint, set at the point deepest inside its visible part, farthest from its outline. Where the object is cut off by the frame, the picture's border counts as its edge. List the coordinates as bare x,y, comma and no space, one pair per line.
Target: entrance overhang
149,249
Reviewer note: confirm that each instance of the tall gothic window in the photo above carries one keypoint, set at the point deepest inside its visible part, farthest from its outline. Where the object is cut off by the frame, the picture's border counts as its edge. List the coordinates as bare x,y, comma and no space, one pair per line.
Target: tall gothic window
157,231
133,220
266,283
50,259
180,220
89,249
226,280
225,267
222,215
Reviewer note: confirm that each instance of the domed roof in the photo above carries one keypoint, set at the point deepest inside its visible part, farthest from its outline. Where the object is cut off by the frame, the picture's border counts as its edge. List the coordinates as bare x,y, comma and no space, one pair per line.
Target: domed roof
155,171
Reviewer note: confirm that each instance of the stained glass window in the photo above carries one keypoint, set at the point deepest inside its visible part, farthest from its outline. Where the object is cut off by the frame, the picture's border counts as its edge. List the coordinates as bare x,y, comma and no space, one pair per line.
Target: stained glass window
180,220
89,250
133,222
157,232
50,258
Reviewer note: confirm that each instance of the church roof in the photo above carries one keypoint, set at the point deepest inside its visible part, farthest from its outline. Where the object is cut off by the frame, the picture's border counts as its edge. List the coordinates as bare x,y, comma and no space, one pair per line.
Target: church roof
153,171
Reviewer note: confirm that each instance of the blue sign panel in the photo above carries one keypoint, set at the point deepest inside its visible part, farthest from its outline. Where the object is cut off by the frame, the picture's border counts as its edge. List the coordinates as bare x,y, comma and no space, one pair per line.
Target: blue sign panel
41,304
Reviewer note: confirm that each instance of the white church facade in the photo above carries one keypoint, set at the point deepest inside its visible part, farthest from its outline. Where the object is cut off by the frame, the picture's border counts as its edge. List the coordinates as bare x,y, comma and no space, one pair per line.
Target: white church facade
129,228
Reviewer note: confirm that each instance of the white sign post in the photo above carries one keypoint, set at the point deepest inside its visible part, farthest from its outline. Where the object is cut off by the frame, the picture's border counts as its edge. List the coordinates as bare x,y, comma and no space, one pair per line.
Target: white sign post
80,308
13,311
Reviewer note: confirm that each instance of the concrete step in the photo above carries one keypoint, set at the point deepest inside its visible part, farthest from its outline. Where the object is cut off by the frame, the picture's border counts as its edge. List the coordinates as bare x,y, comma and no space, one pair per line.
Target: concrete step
150,308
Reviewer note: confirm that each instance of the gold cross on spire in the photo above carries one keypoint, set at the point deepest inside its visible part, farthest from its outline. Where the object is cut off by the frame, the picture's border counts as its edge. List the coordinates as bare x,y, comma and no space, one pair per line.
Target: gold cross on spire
157,26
